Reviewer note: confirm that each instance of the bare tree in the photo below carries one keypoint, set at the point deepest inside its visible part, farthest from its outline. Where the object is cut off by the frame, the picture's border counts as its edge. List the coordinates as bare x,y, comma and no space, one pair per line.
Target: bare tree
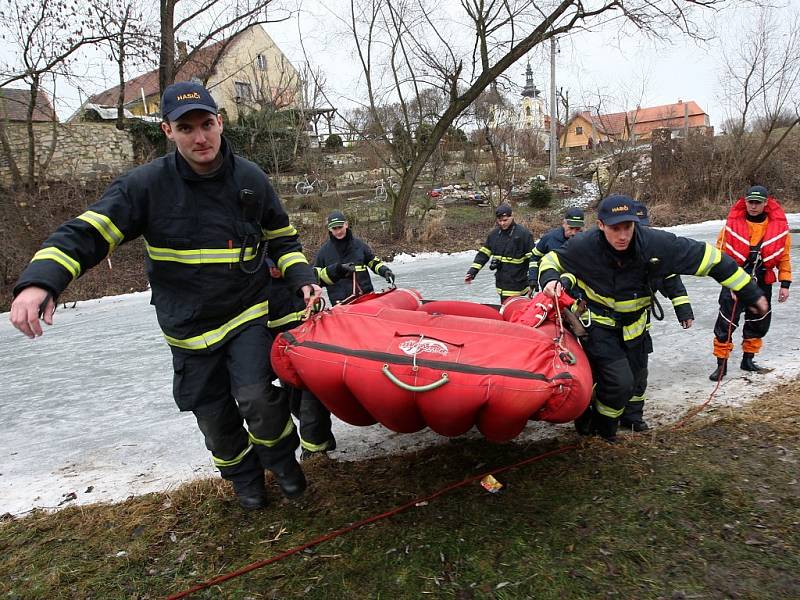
131,42
762,92
46,36
406,46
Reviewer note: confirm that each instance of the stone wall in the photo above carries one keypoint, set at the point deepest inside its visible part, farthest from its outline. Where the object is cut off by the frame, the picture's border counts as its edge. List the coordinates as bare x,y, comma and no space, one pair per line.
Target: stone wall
83,151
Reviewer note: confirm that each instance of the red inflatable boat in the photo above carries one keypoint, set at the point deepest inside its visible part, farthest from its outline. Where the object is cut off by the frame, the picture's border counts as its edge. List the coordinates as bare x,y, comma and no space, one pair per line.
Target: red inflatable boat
448,365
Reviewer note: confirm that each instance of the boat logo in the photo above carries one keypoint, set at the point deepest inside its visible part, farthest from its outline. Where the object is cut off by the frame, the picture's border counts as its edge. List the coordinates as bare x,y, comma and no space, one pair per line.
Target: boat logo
414,347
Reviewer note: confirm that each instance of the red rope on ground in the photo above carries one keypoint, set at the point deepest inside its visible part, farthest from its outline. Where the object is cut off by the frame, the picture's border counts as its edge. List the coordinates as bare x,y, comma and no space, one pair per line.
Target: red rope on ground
334,534
698,409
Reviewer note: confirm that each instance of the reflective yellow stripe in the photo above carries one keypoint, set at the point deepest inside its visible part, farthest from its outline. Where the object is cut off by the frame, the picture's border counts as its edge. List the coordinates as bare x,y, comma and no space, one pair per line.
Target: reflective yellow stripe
602,319
360,268
198,256
62,258
485,250
375,264
737,281
281,321
322,275
514,261
550,261
215,336
287,431
510,293
637,398
104,227
570,277
711,258
218,462
633,305
678,300
477,266
314,447
538,253
607,411
289,259
287,231
635,329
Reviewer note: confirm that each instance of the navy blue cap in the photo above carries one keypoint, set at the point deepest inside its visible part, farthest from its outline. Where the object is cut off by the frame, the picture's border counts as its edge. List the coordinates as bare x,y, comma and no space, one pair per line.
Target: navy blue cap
617,209
642,213
504,210
336,219
757,192
574,217
179,98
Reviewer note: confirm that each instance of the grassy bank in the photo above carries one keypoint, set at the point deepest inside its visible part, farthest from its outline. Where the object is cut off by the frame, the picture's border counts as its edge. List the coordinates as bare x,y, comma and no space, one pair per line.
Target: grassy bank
708,511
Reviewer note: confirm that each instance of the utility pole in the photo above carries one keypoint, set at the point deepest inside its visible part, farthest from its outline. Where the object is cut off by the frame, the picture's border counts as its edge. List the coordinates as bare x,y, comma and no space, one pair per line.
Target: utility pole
553,112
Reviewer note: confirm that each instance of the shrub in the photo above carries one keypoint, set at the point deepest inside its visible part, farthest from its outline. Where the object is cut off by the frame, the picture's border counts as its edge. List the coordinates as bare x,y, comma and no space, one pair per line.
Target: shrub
540,194
334,142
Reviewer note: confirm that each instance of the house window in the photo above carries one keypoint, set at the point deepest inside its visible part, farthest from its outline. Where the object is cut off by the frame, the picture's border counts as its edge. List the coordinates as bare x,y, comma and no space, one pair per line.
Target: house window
261,62
579,131
244,91
527,111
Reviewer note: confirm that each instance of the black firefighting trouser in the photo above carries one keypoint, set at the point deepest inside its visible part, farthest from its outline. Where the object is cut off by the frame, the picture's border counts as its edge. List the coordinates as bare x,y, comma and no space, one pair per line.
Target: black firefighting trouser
755,327
617,369
314,417
232,385
634,409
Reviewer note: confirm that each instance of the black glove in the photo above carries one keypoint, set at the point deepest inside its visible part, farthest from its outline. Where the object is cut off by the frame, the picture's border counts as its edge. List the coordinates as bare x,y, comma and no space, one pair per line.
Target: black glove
388,276
342,270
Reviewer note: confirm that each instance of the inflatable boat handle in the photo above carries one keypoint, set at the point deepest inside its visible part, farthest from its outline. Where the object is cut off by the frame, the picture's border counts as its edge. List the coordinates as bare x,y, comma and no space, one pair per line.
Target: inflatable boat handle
414,388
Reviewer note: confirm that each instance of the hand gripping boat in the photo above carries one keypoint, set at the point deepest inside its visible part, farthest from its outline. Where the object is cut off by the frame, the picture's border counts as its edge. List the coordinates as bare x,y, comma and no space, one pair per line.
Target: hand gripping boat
449,365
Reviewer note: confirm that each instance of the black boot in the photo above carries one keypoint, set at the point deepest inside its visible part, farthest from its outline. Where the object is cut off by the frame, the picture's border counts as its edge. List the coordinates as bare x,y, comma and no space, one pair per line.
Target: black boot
290,478
307,454
583,424
721,370
253,495
749,365
605,427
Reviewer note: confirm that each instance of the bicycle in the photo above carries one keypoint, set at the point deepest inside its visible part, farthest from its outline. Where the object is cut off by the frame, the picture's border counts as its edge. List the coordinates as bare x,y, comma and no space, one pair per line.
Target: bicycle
305,187
380,190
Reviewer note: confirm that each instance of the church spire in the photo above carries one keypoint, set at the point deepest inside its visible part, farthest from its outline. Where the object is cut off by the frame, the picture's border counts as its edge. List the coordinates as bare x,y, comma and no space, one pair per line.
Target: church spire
530,90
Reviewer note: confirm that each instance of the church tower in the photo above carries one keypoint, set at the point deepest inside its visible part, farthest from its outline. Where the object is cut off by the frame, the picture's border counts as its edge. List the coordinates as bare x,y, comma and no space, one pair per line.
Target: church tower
531,113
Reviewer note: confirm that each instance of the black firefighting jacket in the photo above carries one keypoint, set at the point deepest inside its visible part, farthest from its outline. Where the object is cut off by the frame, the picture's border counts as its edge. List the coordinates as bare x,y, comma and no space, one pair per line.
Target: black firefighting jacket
618,286
511,252
197,231
349,249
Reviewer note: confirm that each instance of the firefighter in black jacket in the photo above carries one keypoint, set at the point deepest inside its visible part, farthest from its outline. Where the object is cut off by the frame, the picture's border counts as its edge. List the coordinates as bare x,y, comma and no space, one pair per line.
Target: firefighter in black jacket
611,268
671,287
315,419
343,247
572,223
509,246
207,217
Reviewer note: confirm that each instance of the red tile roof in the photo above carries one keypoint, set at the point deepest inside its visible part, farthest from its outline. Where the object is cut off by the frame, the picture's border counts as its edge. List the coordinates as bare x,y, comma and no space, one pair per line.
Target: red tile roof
200,66
14,105
644,120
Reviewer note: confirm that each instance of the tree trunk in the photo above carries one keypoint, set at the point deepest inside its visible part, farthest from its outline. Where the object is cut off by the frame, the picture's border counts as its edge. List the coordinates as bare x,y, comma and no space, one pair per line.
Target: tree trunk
30,177
166,65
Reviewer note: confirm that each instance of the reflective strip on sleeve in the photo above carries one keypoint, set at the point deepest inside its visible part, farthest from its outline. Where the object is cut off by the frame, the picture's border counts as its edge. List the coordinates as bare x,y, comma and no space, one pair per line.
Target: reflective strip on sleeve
289,259
476,266
711,258
288,231
570,277
375,264
61,257
485,250
105,227
215,336
323,276
737,281
286,319
287,431
678,300
199,256
218,462
550,261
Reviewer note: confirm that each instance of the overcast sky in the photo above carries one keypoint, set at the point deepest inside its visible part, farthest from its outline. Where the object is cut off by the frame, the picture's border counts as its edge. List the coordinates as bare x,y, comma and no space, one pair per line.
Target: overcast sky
621,66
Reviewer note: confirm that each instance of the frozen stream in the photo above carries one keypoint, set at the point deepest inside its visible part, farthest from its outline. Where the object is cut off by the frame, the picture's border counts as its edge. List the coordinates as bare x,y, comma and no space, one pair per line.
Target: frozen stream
88,409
